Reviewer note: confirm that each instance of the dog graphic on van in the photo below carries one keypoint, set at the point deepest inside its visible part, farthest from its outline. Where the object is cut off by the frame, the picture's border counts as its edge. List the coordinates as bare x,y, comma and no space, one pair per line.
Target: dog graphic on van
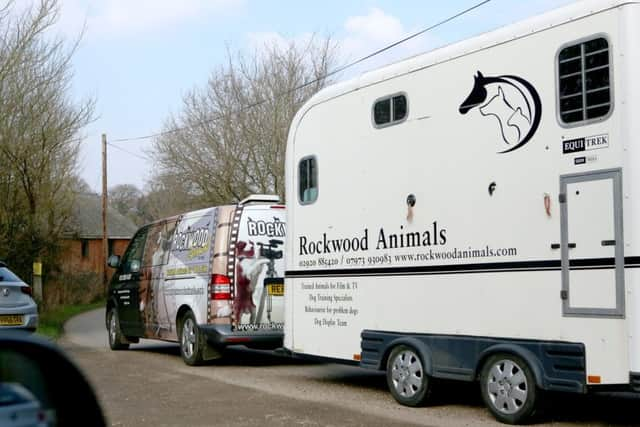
249,267
513,101
151,300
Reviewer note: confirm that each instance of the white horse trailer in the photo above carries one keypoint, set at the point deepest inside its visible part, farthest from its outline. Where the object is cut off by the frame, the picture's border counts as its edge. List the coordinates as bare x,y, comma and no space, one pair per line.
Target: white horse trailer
471,213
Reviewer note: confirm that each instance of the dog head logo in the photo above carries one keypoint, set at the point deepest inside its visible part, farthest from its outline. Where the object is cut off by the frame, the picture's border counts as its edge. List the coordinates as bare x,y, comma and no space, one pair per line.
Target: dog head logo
513,101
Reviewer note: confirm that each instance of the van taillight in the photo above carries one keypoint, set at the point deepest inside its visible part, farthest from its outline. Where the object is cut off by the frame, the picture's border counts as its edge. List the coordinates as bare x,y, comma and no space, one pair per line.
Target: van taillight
26,290
221,287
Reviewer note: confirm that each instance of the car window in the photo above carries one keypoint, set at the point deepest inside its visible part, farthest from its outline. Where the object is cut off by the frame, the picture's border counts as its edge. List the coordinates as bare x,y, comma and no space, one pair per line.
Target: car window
7,276
135,250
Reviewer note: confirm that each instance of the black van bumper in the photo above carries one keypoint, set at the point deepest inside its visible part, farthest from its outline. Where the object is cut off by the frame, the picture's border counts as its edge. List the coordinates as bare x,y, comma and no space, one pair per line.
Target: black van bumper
222,336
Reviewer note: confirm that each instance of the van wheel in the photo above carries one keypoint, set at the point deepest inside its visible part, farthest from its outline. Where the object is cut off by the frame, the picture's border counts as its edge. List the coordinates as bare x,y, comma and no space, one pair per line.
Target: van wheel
508,388
406,378
190,341
116,340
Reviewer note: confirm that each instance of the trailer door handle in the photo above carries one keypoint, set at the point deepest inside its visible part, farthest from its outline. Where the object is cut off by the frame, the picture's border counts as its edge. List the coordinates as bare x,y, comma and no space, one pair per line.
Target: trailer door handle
608,243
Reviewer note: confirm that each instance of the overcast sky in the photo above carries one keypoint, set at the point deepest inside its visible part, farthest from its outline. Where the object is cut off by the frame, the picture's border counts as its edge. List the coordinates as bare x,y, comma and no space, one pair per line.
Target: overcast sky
138,57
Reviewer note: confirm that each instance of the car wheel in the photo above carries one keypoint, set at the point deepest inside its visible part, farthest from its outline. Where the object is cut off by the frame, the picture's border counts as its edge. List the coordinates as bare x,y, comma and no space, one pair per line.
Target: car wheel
191,342
116,341
406,377
508,388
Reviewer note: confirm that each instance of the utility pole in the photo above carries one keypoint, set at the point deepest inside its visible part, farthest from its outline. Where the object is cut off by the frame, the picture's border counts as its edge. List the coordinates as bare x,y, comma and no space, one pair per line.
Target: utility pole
105,244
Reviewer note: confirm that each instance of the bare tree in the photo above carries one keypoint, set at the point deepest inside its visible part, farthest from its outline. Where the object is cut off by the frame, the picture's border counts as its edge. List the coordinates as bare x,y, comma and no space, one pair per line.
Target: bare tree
233,132
127,199
80,186
39,133
167,195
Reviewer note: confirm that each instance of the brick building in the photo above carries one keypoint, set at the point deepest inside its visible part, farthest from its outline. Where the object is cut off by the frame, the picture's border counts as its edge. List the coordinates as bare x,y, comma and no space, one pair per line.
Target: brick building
83,249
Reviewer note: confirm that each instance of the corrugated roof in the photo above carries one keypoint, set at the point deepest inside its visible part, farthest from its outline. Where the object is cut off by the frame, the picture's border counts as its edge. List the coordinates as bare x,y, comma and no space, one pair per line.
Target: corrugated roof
86,220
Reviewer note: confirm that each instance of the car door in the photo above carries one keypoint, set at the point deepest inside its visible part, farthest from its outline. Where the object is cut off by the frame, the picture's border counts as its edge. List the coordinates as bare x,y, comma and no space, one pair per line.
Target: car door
126,286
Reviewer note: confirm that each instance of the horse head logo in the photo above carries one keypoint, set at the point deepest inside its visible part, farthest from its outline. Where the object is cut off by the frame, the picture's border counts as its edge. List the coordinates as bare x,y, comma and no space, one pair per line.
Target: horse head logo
513,101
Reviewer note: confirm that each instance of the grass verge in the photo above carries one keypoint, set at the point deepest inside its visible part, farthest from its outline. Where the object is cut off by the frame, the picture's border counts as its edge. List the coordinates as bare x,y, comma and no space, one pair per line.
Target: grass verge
51,322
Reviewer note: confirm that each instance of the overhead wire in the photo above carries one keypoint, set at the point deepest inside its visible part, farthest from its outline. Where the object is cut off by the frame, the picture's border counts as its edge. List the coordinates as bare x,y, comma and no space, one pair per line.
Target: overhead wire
311,82
140,156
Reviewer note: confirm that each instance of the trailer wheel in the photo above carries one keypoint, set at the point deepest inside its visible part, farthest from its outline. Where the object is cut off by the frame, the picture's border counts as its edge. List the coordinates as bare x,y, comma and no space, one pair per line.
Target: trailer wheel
508,388
115,335
406,378
190,341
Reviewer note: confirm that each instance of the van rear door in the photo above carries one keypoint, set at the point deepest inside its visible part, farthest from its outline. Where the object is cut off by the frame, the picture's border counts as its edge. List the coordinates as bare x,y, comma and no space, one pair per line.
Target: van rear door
257,236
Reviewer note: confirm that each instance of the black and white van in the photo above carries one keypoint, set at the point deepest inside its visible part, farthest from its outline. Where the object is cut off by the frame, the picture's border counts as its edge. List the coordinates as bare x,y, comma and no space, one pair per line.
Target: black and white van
207,279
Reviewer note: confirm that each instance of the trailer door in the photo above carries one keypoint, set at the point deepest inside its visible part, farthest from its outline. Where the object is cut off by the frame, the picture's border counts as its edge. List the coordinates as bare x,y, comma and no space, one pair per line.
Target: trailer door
592,244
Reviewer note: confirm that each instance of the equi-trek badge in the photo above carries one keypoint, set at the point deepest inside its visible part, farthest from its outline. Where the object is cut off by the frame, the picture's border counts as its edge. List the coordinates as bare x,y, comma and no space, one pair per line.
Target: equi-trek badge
577,145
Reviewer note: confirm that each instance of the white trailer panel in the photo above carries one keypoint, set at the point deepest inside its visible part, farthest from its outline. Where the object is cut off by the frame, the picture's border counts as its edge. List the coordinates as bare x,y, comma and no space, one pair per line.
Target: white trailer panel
474,201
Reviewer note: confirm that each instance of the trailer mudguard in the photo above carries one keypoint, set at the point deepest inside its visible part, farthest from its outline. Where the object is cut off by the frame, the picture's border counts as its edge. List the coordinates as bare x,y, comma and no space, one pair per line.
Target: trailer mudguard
556,366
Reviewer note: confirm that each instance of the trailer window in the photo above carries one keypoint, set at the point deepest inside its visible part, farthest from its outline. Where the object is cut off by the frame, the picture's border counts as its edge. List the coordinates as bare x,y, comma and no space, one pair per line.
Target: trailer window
390,110
308,180
584,81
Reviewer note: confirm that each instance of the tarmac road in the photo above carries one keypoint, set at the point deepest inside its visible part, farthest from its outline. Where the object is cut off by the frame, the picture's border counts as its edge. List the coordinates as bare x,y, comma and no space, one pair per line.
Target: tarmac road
150,385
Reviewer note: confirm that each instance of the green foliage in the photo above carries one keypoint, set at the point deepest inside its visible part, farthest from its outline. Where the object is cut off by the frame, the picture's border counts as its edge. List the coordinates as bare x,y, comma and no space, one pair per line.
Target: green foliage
73,288
51,322
40,128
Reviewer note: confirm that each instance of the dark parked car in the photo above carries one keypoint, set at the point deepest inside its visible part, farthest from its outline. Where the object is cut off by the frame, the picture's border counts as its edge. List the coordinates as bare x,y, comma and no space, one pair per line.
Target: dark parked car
18,310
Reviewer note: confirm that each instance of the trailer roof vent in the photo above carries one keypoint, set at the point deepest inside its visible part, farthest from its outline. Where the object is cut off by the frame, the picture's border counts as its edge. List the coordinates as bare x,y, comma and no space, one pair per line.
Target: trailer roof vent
260,198
584,81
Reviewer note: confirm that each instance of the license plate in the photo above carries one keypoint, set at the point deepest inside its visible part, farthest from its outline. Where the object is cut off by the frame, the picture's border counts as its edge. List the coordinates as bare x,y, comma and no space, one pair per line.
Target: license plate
11,320
276,289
